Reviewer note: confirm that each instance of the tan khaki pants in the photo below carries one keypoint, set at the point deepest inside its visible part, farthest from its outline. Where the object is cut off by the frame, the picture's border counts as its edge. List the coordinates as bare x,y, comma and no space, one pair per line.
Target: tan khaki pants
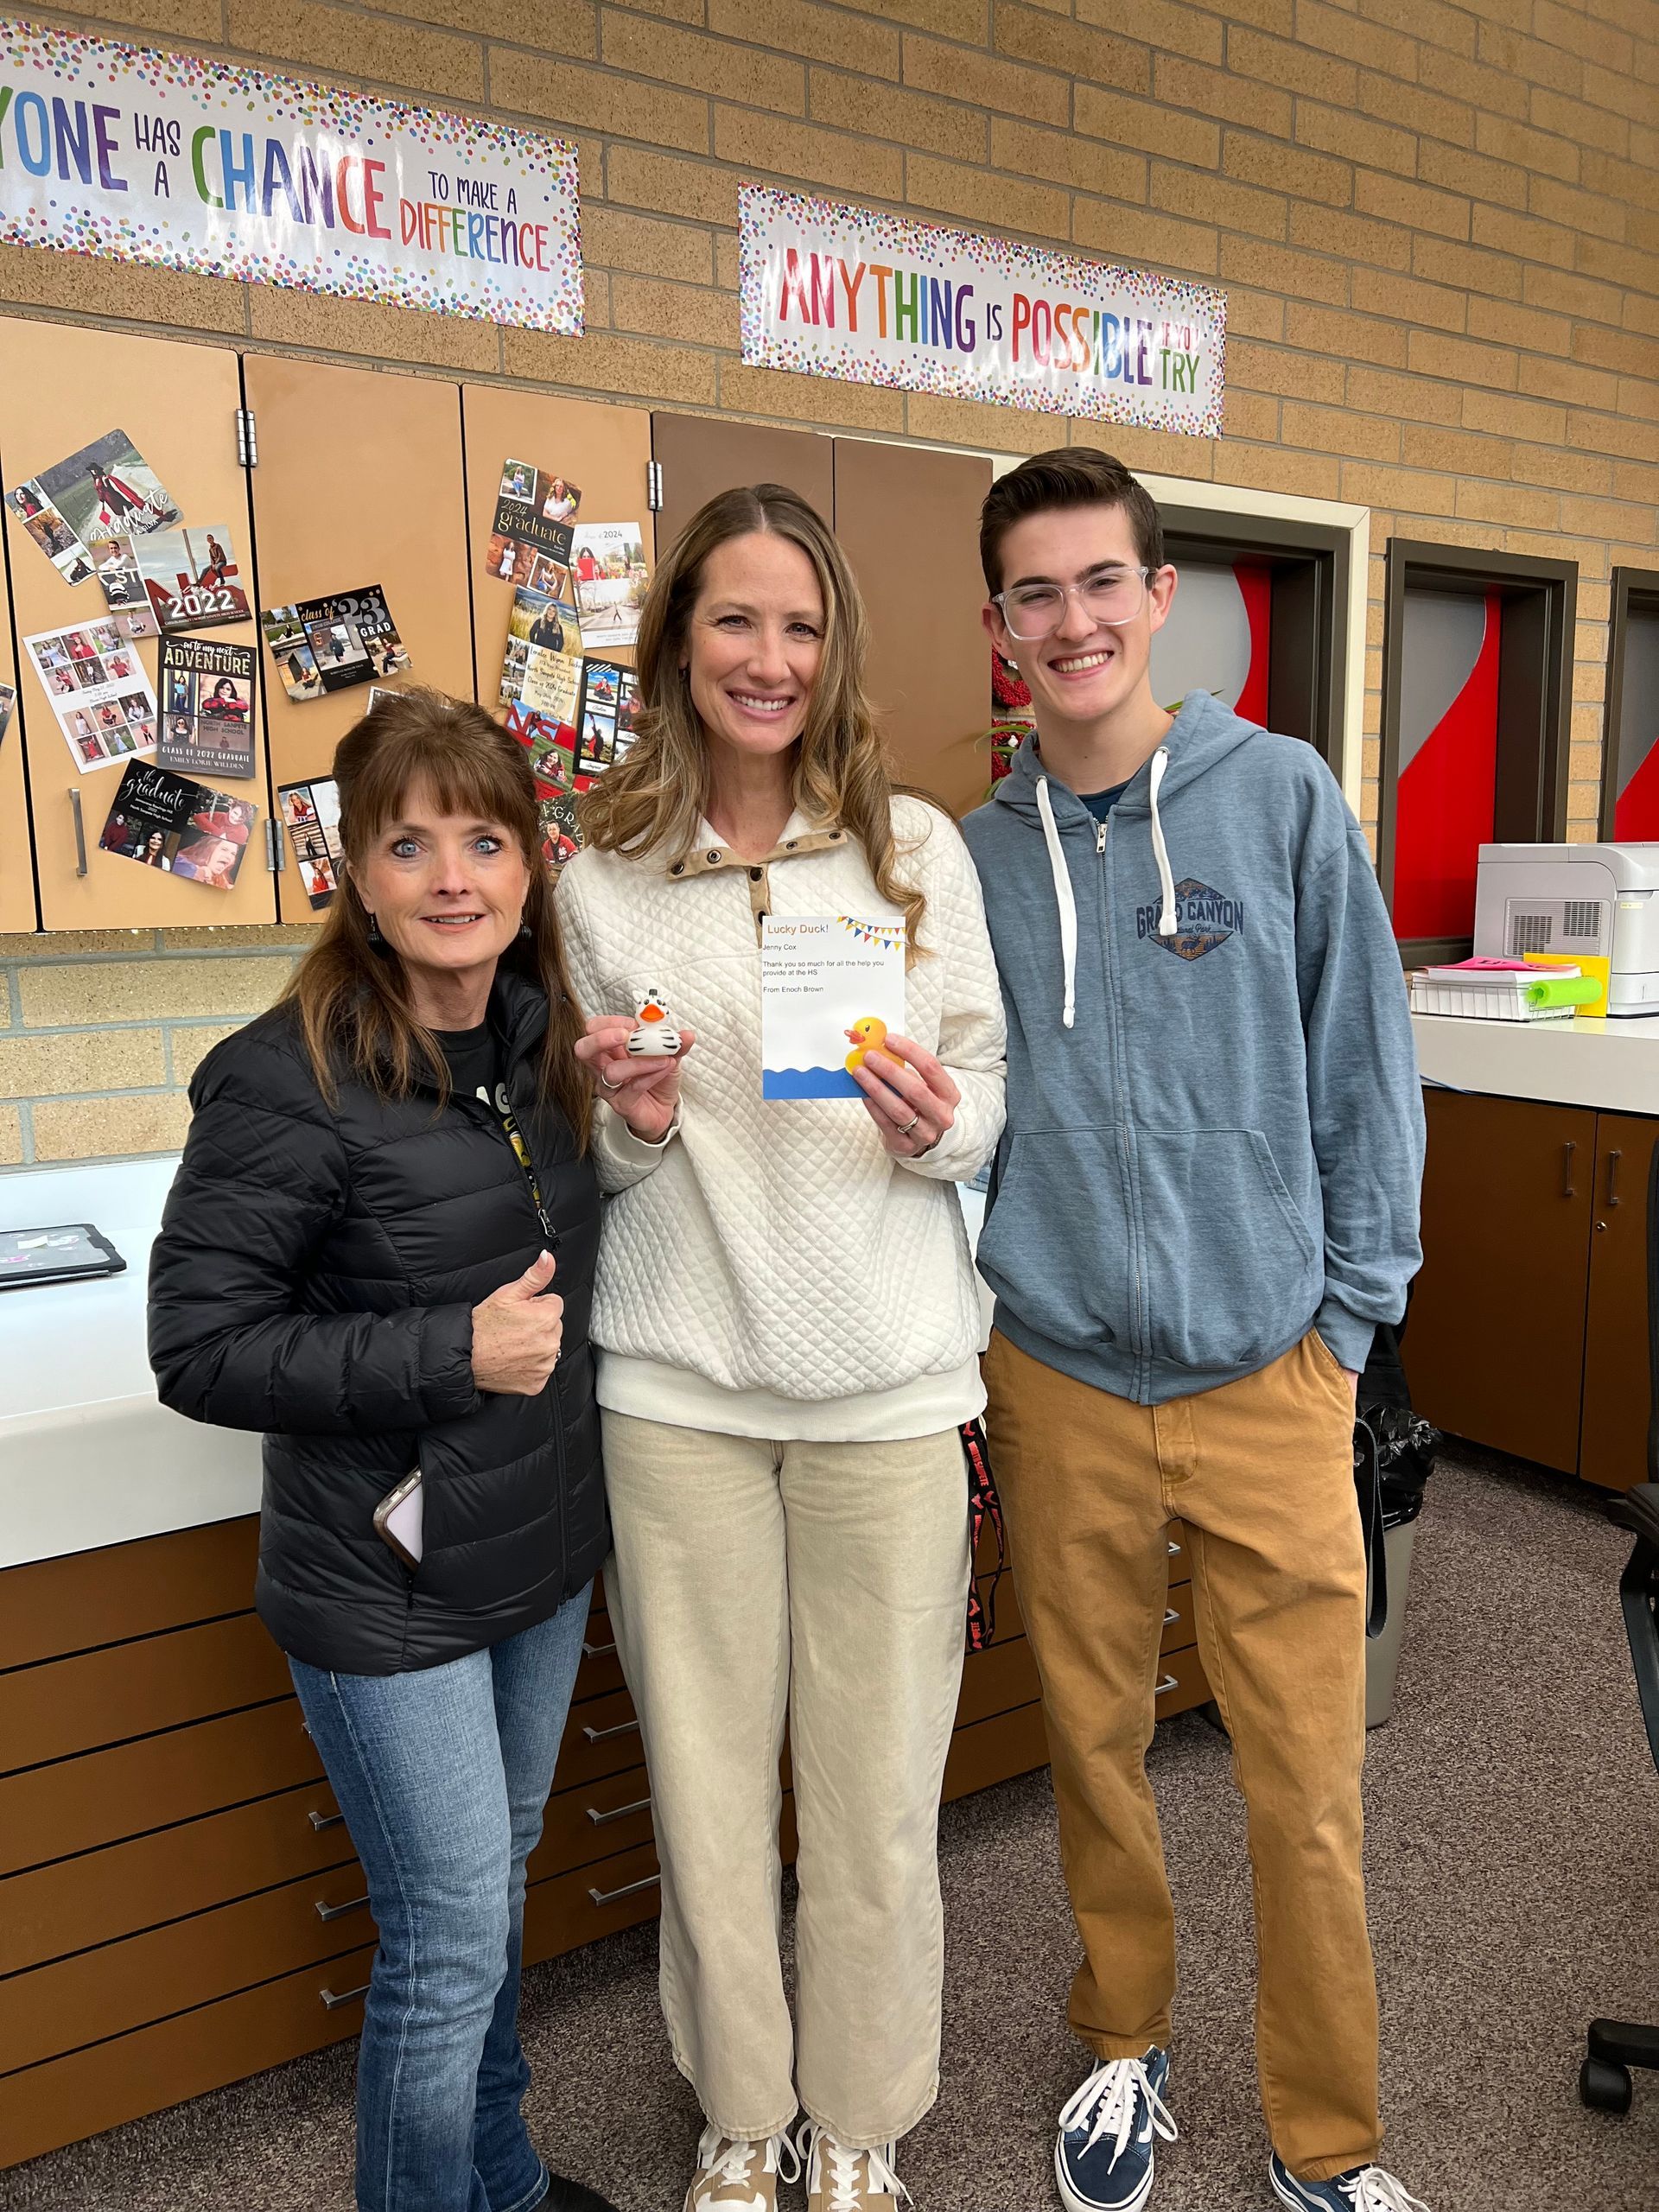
829,1582
1260,1472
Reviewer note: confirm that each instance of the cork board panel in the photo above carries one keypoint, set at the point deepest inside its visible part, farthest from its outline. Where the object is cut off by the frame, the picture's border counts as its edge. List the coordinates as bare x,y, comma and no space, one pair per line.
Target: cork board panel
16,846
61,387
358,481
603,450
908,519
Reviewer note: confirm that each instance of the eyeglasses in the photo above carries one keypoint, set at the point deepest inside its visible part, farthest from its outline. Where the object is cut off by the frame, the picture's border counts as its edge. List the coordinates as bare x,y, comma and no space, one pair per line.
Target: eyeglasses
1113,596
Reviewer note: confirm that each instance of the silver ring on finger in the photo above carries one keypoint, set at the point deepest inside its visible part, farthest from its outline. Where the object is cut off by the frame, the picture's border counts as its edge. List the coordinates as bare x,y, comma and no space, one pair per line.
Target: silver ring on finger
605,1083
910,1125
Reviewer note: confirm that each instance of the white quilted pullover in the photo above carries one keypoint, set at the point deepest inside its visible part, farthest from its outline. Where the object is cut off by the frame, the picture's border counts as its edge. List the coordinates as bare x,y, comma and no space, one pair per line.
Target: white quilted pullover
770,1269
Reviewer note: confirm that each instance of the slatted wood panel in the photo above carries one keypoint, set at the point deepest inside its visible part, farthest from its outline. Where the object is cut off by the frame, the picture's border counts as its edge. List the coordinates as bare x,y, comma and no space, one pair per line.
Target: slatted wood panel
60,388
359,482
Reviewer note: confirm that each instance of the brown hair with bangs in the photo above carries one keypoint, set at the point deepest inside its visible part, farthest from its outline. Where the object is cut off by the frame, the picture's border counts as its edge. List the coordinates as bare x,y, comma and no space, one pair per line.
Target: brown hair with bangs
350,989
653,801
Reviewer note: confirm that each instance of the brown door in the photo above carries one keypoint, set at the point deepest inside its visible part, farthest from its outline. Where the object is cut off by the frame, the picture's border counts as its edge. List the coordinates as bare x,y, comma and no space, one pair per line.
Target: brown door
16,847
60,389
1613,1440
699,455
605,451
359,481
909,522
1493,1342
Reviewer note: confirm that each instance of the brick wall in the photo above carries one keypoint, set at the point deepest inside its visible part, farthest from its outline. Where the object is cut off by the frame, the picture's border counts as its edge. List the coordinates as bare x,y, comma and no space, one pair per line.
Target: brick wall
1438,228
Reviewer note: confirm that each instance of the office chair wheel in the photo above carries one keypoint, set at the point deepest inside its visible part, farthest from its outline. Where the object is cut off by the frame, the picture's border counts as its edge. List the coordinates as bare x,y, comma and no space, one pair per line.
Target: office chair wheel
1604,2087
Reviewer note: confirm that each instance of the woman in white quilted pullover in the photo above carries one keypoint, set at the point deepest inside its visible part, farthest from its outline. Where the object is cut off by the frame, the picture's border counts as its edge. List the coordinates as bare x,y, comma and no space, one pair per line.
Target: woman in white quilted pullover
787,1321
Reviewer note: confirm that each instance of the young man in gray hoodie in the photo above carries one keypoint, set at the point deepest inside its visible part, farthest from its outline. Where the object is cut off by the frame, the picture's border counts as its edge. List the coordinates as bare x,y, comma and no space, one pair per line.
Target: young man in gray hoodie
1204,1201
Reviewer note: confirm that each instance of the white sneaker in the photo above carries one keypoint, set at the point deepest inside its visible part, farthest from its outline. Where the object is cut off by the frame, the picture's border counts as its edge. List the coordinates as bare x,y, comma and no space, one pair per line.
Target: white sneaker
839,2180
738,2175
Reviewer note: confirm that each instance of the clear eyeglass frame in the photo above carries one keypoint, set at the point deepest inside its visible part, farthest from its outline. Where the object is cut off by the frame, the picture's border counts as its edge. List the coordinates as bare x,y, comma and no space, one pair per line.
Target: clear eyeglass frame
1106,600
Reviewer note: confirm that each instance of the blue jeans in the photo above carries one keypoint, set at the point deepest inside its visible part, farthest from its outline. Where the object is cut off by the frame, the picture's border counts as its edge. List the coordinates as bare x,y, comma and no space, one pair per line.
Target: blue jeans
442,1775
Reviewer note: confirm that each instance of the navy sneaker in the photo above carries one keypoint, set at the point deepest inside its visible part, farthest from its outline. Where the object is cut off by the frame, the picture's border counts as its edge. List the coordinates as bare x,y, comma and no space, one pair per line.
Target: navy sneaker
1103,2160
1362,2188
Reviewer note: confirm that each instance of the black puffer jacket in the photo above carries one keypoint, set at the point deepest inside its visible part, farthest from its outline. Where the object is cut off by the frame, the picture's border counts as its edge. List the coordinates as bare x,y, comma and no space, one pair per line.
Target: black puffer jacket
315,1278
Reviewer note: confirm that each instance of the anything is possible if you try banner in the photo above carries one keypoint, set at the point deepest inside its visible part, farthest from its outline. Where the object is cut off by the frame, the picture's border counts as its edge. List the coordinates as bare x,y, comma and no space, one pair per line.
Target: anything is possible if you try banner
227,172
830,290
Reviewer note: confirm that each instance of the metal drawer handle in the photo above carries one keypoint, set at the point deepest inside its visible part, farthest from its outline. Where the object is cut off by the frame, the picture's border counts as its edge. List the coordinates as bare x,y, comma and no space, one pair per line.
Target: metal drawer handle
346,1997
628,1890
321,1820
603,1819
339,1911
1567,1151
1170,1617
597,1650
604,1735
1613,1198
1175,1551
1170,1682
81,829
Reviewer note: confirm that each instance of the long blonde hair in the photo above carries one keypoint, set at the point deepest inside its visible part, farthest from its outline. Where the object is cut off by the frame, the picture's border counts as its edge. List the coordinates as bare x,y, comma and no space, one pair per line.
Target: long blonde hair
653,801
350,990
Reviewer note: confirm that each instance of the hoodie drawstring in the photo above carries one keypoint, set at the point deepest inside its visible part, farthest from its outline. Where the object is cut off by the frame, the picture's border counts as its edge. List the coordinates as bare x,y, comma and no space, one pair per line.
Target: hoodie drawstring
1167,918
1063,899
1160,850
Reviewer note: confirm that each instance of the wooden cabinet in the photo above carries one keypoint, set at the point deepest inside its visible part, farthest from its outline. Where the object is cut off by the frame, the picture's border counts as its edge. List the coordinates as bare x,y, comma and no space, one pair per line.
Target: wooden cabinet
1613,1437
359,481
16,845
606,450
908,521
60,389
1527,1328
701,455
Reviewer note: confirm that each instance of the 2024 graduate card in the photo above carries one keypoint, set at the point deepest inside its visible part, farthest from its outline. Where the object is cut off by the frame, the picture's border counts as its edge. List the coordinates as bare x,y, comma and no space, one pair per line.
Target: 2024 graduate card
832,987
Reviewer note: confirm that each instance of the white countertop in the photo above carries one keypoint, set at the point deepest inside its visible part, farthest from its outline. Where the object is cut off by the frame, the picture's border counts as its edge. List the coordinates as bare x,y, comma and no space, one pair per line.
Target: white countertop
88,1454
1588,1061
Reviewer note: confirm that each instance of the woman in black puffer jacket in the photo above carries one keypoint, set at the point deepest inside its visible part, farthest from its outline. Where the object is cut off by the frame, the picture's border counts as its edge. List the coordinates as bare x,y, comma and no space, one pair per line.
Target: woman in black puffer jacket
382,1178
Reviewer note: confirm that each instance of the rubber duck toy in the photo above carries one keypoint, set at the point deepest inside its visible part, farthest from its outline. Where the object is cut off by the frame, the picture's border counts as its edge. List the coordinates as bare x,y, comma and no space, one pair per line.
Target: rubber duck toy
869,1035
655,1037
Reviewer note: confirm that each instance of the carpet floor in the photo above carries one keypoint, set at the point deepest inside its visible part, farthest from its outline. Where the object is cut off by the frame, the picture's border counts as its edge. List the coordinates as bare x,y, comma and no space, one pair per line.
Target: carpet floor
1513,1846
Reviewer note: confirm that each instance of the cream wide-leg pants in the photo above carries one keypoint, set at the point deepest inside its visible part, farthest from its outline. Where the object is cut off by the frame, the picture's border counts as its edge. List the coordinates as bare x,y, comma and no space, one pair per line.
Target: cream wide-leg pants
825,1584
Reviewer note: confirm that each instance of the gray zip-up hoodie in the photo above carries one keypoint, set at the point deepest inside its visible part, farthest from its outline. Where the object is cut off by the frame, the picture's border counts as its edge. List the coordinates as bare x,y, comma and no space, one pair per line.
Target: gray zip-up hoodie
1215,1132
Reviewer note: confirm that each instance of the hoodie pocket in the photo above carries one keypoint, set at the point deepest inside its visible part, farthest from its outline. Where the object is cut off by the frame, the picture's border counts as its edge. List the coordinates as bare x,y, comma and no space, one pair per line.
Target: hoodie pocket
1232,1271
1056,1244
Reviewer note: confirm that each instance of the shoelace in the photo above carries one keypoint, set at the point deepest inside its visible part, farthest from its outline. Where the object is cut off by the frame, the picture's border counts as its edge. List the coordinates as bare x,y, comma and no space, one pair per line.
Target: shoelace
1113,2094
1372,2190
815,2144
730,2168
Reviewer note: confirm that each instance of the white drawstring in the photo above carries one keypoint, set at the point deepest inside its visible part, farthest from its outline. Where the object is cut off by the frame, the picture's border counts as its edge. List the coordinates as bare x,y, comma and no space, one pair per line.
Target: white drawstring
1167,923
1110,2098
1063,898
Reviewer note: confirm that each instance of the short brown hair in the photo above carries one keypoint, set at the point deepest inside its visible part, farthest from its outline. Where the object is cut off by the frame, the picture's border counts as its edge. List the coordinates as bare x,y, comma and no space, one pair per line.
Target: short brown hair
1071,476
350,991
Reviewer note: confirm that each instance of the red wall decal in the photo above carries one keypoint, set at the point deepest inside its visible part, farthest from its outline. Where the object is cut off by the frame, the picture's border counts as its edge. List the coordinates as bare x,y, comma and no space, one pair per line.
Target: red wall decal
1444,804
1256,589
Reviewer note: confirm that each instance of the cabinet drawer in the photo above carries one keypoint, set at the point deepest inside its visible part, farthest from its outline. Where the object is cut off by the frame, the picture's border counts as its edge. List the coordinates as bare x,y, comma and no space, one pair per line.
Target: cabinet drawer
57,1605
1182,1682
602,1737
1180,1561
101,1895
594,1822
577,1908
994,1680
87,2091
1178,1628
70,1705
995,1750
127,1985
78,1804
600,1671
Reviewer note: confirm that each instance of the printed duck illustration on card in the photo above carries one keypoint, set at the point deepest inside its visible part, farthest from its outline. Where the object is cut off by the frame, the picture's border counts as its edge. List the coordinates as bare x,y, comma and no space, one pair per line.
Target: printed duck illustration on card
831,987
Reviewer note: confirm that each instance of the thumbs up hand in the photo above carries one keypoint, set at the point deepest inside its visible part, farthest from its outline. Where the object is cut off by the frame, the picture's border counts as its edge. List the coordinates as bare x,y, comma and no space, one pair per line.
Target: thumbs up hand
517,1332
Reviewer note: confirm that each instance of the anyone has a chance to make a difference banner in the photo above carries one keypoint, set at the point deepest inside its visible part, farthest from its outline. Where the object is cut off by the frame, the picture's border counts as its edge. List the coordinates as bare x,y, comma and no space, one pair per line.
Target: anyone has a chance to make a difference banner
837,291
205,166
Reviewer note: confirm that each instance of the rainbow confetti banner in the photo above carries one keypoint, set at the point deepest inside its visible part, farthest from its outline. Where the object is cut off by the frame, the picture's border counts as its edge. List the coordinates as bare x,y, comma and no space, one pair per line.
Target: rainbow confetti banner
830,290
203,166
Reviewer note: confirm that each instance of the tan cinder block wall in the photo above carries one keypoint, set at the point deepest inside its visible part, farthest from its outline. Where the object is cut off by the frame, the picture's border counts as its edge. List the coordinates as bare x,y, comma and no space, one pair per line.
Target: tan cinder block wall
1437,225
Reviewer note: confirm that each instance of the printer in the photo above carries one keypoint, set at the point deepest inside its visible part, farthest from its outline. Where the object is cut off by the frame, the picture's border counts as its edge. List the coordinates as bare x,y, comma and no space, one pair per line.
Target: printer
1579,901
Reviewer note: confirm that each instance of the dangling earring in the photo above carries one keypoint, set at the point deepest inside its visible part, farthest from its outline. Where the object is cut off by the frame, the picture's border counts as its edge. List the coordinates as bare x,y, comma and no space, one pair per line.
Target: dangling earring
525,932
375,938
